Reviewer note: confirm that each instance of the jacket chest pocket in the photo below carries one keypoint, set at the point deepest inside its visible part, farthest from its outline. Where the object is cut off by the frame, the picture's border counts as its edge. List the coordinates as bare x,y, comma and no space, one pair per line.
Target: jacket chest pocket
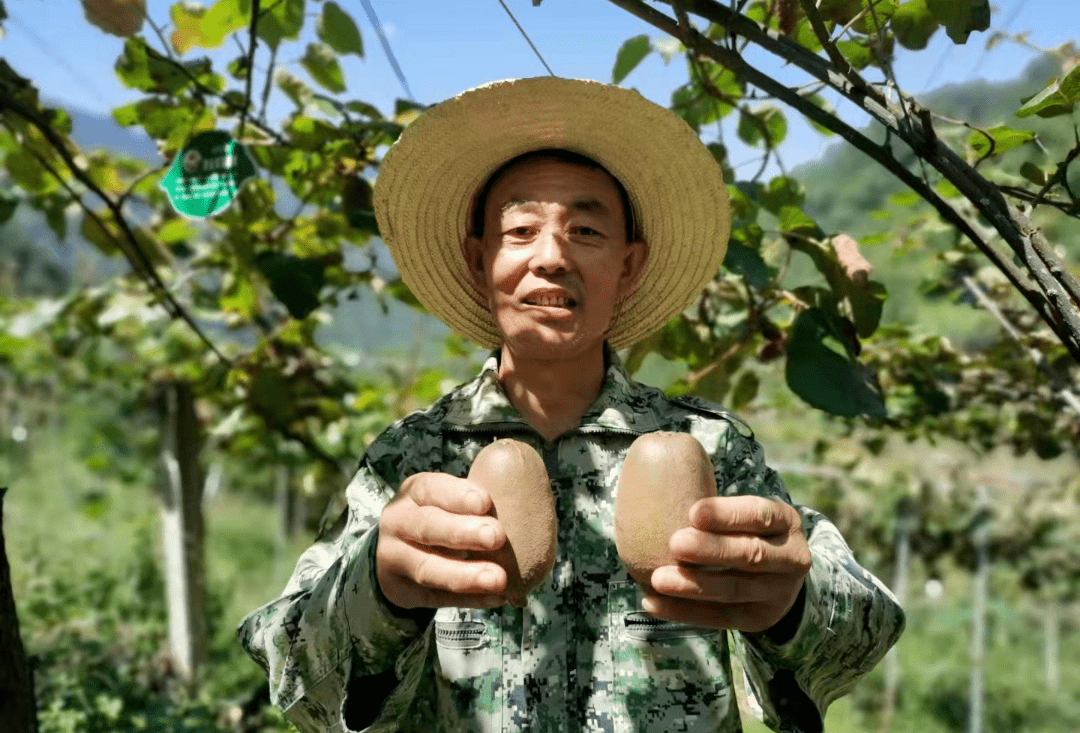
667,676
468,670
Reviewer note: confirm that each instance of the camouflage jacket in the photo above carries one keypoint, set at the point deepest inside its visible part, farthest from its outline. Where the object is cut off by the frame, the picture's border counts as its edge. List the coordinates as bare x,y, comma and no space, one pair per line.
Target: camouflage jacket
582,655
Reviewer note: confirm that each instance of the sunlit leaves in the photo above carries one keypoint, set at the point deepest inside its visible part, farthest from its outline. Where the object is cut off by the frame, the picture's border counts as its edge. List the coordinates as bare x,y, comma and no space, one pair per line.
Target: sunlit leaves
794,219
857,53
702,104
196,25
280,20
763,125
321,64
1057,98
822,369
1002,139
144,68
961,17
913,24
295,89
629,56
874,16
338,30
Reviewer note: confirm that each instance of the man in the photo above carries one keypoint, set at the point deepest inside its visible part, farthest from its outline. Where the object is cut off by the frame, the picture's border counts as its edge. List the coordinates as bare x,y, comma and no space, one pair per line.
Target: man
556,221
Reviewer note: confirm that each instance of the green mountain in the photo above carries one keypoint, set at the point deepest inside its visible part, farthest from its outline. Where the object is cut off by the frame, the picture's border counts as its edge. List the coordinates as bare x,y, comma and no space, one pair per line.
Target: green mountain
848,192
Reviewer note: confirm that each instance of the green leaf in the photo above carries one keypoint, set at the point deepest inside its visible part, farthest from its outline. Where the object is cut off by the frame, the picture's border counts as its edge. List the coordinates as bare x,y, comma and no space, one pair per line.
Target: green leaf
906,199
27,171
1050,102
1034,173
794,219
913,25
337,30
142,67
1005,139
821,103
857,53
764,124
840,11
295,89
295,281
280,20
876,17
104,240
322,65
822,369
783,191
961,17
745,391
197,26
744,261
1070,85
864,306
629,56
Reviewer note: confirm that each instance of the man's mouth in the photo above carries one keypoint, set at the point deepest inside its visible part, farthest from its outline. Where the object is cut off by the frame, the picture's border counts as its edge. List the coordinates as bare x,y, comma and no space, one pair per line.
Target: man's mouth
551,301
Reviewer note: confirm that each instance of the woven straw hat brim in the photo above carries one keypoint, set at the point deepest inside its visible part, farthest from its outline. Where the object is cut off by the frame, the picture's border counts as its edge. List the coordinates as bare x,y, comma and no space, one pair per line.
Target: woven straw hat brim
428,179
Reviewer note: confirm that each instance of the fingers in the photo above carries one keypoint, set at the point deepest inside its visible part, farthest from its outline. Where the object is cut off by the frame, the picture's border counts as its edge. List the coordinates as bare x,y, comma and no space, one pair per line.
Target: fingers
748,617
412,576
745,515
452,494
746,552
722,587
433,527
438,510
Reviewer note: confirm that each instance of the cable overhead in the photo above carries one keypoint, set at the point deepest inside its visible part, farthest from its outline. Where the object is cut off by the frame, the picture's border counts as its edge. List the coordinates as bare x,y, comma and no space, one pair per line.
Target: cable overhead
386,47
1005,29
526,37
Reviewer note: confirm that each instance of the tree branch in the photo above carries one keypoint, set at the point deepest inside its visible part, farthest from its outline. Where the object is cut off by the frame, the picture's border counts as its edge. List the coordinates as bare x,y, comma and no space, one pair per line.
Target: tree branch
133,252
1053,304
253,43
1057,382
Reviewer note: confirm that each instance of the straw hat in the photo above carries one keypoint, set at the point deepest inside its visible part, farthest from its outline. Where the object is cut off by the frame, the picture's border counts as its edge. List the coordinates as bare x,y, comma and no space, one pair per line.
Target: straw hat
429,179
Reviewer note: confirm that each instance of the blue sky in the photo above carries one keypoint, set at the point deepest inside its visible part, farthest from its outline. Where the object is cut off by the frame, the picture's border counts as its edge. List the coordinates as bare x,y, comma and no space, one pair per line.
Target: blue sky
446,46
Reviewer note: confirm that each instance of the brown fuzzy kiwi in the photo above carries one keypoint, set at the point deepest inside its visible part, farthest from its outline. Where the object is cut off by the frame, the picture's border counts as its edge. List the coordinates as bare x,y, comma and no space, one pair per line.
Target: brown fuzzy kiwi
514,474
663,475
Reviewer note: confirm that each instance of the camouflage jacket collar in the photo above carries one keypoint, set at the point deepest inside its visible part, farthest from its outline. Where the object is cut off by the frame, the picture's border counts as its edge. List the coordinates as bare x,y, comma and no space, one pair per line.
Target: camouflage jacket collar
623,404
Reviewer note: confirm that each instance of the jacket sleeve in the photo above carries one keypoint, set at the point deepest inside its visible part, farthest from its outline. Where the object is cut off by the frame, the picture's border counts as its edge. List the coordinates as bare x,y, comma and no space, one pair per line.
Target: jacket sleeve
331,623
849,619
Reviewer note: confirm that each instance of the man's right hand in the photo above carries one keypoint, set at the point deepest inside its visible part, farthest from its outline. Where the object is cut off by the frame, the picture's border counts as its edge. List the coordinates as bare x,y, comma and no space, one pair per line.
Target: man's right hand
425,536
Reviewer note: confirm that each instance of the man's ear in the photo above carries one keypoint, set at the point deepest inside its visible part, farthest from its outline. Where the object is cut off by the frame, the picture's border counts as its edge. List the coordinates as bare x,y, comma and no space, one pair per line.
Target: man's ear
473,251
637,258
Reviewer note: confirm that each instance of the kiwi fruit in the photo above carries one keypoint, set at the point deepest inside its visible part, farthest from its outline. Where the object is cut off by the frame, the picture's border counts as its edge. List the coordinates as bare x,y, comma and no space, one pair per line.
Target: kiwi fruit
513,474
663,475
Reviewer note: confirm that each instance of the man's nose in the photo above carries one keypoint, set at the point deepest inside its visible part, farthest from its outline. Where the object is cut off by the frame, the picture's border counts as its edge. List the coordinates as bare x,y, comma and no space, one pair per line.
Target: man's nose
549,255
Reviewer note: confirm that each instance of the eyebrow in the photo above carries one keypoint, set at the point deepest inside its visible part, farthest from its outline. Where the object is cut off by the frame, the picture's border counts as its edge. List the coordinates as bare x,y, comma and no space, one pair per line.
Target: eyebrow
590,206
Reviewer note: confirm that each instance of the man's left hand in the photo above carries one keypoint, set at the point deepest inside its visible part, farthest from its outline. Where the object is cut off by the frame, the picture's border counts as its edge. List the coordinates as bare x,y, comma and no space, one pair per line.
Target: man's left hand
742,562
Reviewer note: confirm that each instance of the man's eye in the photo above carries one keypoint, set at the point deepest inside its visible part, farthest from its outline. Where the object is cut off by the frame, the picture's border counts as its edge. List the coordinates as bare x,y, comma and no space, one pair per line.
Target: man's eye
588,231
522,231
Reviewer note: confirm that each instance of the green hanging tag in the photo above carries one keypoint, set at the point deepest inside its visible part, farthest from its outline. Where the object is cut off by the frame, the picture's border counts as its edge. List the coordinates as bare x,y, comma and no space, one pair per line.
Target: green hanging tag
206,175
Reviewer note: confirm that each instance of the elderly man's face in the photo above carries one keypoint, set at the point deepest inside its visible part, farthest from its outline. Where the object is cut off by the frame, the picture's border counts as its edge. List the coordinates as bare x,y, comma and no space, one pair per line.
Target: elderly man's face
553,260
